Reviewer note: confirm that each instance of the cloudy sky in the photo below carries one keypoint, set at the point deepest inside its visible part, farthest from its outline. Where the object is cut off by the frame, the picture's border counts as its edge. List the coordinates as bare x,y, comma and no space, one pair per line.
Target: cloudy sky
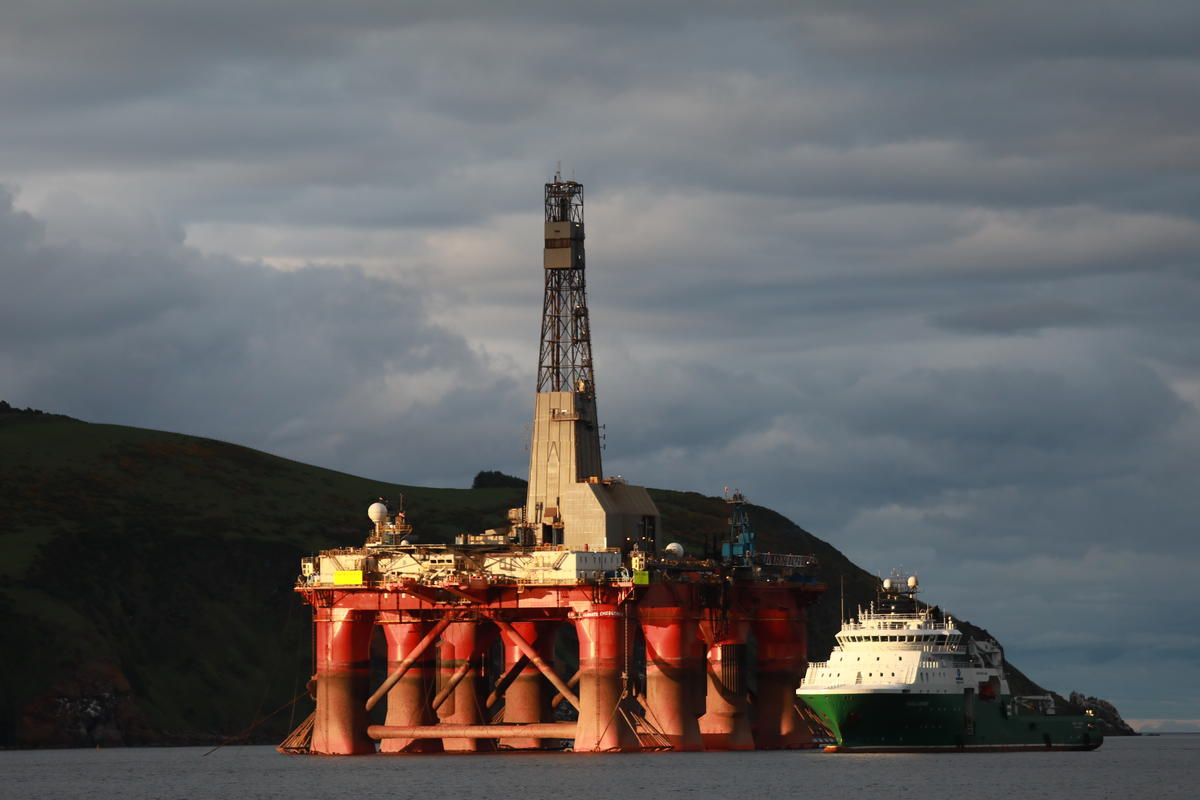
923,276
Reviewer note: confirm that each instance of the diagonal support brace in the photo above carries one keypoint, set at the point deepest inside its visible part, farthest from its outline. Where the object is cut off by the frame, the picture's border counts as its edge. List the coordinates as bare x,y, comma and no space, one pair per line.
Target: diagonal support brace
408,661
558,698
451,685
505,681
527,650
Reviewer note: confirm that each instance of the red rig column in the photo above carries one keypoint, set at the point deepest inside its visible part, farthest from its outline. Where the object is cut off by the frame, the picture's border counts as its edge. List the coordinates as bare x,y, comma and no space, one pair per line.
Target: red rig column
408,701
526,699
670,627
463,646
602,654
779,631
726,723
343,641
795,732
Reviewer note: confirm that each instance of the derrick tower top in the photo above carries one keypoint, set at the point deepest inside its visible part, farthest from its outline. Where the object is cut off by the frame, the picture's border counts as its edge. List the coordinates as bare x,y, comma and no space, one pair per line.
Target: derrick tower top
565,358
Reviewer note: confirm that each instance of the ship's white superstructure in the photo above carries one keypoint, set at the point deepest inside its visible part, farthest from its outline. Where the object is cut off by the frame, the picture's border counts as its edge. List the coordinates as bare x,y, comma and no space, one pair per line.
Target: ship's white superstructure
897,645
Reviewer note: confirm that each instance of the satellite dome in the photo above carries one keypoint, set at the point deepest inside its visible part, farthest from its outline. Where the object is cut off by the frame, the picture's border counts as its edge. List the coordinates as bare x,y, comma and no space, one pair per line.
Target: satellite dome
912,581
674,550
377,512
887,583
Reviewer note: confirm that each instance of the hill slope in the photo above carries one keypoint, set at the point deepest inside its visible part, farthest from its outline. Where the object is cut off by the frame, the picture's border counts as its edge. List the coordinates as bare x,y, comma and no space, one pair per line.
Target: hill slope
147,576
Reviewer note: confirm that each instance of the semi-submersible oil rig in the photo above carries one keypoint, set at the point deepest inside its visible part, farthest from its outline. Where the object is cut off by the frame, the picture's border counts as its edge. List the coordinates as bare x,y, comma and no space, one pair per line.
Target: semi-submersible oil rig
722,634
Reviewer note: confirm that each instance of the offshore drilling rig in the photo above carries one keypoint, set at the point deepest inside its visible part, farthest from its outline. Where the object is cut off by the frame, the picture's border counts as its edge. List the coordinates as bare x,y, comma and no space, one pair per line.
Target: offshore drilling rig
723,633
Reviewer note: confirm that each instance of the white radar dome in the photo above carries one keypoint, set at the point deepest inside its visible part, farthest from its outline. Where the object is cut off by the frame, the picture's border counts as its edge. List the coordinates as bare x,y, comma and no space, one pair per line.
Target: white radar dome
674,550
912,581
377,512
887,583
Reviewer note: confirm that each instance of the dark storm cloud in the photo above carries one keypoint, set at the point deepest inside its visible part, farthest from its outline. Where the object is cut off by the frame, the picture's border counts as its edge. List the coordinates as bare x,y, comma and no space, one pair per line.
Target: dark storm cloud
921,275
408,95
1020,318
1058,410
317,362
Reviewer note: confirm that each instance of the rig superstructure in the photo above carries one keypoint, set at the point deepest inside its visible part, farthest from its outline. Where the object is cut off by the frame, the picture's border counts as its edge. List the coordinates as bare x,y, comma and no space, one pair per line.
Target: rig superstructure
583,553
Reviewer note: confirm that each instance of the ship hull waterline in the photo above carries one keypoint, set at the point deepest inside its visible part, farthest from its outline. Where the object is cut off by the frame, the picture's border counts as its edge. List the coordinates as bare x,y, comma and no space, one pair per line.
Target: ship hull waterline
899,722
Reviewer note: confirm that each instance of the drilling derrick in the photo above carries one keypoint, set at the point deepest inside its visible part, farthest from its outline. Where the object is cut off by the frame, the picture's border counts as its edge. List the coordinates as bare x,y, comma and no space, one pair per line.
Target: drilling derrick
565,362
570,503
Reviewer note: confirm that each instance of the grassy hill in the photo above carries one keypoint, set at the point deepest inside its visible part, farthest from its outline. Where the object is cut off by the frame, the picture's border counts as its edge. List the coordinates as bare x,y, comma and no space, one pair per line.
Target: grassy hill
146,577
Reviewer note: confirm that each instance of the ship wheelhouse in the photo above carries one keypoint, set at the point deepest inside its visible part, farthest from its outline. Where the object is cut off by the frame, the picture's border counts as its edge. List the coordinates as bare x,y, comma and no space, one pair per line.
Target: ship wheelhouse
899,645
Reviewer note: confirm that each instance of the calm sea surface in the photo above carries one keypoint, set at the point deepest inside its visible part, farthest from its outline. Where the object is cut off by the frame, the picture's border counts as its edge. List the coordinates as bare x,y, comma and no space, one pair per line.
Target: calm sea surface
1146,767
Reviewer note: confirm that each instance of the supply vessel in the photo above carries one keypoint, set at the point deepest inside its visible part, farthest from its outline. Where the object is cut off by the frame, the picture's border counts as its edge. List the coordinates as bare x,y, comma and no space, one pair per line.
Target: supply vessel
902,677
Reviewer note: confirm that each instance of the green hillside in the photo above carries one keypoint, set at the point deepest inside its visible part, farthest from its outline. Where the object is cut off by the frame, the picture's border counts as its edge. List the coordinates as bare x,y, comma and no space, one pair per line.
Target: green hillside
146,577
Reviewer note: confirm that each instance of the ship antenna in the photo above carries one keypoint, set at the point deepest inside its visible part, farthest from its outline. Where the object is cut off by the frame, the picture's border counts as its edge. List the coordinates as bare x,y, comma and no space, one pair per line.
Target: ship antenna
842,612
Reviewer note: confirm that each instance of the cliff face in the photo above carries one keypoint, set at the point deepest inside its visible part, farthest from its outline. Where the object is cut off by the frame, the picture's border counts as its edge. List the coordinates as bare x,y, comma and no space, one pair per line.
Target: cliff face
1106,714
146,577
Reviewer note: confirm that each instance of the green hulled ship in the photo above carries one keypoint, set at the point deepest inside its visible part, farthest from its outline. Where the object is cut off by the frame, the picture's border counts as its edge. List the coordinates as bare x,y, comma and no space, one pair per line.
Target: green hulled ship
903,678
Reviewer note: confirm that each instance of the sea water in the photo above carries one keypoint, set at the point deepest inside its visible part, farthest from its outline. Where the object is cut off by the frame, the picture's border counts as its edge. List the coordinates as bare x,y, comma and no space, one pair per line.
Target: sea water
1145,767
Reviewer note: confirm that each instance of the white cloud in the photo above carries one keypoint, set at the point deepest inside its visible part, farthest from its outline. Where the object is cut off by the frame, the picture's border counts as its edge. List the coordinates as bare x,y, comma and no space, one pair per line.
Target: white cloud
1165,725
